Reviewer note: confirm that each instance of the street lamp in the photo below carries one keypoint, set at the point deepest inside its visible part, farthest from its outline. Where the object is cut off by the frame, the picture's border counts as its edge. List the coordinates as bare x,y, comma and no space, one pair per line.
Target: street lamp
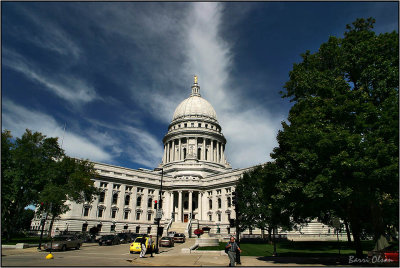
159,205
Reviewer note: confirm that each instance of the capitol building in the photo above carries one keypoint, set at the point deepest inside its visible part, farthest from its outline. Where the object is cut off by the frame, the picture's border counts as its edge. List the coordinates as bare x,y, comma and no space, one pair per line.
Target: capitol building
197,184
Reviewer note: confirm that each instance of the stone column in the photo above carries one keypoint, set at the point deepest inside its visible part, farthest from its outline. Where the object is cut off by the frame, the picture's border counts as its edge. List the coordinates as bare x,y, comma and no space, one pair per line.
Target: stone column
94,205
218,156
133,203
204,150
224,207
107,201
190,202
120,212
180,206
165,152
196,147
171,208
223,153
145,199
212,150
168,152
180,149
199,207
215,152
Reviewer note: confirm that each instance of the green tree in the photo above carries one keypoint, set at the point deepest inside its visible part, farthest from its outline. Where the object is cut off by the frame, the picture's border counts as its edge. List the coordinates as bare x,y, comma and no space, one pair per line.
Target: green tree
35,169
339,151
259,203
25,164
70,180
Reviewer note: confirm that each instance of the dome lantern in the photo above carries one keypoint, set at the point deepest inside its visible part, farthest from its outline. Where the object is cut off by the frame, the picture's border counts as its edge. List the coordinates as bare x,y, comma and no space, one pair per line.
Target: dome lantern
195,88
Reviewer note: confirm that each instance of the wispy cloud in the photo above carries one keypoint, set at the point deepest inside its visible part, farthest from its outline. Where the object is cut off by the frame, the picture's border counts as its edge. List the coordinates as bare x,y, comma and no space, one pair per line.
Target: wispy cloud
17,118
49,35
66,86
249,127
143,147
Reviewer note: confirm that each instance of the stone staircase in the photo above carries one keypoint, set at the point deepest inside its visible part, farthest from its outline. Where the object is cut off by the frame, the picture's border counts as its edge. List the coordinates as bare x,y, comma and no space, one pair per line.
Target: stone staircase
179,227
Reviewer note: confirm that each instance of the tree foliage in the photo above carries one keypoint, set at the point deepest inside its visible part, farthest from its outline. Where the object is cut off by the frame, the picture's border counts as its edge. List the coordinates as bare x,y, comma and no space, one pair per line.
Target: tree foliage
339,148
35,169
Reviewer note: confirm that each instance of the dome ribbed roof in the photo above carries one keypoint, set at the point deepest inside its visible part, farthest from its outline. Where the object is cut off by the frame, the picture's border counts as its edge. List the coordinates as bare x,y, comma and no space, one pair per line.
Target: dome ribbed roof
194,106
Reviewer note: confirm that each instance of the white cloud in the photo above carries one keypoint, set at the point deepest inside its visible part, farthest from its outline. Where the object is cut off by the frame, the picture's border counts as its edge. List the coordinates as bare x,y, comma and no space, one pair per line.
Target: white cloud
250,132
67,87
17,118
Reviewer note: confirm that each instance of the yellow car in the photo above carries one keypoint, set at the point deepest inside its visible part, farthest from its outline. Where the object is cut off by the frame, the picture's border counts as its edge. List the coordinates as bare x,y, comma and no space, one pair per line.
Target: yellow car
135,246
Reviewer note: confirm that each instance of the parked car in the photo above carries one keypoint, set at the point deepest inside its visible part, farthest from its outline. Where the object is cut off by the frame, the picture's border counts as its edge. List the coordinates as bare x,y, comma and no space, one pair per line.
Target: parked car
166,241
109,240
179,238
136,245
63,243
388,254
124,238
171,234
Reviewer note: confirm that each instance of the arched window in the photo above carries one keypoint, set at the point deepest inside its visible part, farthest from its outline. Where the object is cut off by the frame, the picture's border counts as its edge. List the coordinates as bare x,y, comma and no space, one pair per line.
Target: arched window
229,202
127,198
184,153
210,204
219,202
139,201
198,153
206,154
115,198
149,202
102,196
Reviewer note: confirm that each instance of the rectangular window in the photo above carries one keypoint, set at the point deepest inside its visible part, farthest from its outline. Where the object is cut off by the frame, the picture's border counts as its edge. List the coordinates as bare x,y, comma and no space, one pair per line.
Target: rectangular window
126,227
128,188
116,186
137,229
210,217
149,217
192,124
126,215
112,228
100,215
103,184
84,227
219,217
138,216
113,213
229,230
86,212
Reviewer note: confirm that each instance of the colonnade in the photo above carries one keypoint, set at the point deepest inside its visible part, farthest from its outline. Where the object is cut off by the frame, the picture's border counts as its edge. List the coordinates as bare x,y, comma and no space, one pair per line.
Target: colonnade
199,148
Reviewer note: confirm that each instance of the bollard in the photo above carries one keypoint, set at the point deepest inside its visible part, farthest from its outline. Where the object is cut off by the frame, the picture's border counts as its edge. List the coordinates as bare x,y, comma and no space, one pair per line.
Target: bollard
49,256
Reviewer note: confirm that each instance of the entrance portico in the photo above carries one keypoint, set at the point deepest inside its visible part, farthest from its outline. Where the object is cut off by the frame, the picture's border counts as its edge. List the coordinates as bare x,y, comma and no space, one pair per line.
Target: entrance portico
185,205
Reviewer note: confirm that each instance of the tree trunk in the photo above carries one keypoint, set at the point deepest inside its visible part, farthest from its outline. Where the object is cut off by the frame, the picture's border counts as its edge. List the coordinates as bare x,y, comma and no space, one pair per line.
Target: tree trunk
274,239
269,235
51,225
346,224
355,229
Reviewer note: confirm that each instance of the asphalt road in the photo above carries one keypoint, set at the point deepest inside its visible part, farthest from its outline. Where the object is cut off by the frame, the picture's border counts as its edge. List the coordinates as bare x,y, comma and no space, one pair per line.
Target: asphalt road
87,255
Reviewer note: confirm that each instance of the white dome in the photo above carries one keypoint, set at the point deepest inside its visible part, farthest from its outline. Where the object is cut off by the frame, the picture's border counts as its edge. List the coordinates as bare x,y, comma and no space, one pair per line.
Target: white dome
194,106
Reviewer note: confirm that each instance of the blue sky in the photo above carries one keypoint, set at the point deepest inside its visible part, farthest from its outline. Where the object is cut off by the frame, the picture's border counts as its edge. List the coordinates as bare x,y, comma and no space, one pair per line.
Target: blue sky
113,73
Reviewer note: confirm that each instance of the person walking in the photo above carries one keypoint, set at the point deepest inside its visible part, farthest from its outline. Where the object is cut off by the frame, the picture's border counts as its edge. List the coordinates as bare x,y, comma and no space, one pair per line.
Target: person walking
231,248
150,242
143,246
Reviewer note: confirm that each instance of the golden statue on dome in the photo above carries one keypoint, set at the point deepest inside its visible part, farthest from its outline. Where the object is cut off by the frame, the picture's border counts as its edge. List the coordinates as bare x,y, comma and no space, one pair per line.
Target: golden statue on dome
195,79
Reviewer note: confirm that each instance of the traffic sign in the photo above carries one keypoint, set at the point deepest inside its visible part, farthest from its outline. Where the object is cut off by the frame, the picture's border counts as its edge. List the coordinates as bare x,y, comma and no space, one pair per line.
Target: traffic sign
159,214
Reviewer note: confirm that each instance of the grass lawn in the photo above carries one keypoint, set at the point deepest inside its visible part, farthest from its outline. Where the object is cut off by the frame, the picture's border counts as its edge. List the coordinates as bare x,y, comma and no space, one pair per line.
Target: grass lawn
28,240
297,248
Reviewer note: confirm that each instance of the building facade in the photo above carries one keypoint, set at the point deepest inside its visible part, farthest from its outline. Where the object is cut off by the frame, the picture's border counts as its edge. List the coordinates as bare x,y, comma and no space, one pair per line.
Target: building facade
196,177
